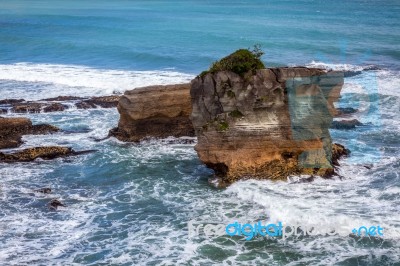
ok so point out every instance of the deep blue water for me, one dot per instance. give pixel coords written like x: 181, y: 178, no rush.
x: 130, y: 203
x: 189, y: 35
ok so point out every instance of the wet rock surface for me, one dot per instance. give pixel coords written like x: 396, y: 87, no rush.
x: 45, y: 153
x: 55, y: 203
x: 45, y: 190
x: 346, y: 124
x: 57, y: 104
x: 12, y: 130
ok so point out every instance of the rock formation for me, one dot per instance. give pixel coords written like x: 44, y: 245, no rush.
x: 269, y: 123
x: 45, y: 153
x: 154, y: 112
x: 57, y: 104
x: 12, y: 129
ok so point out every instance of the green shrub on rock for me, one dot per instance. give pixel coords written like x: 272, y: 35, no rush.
x: 240, y: 62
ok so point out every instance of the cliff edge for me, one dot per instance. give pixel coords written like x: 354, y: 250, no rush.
x: 154, y: 112
x: 268, y: 123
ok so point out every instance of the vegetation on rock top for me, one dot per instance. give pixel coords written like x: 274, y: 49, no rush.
x: 240, y: 62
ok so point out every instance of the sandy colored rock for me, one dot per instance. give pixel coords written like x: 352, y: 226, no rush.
x: 267, y: 125
x: 154, y: 112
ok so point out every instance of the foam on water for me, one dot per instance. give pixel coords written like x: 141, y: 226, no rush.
x: 369, y: 78
x: 38, y: 81
x: 131, y: 202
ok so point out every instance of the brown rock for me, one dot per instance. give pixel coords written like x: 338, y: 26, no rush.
x: 269, y: 125
x: 45, y: 153
x: 154, y: 112
x: 12, y: 129
x: 27, y: 107
x: 338, y: 151
x: 103, y: 101
x: 11, y: 101
x: 85, y: 105
x: 55, y: 107
x: 63, y: 99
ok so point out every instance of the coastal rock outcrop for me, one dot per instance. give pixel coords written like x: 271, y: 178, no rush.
x: 268, y: 123
x: 45, y: 153
x: 154, y: 112
x: 57, y: 104
x: 12, y: 129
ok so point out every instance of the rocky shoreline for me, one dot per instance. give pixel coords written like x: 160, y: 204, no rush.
x: 12, y: 130
x: 268, y: 123
x: 57, y: 104
x: 246, y: 126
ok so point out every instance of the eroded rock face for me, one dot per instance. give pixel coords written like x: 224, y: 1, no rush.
x: 270, y: 124
x: 154, y: 112
x: 12, y: 130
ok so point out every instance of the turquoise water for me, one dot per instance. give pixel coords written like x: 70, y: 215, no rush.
x: 131, y: 203
x: 188, y: 35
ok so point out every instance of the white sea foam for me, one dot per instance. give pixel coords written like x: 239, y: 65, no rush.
x: 137, y: 216
x: 370, y: 80
x: 53, y: 80
x: 338, y: 67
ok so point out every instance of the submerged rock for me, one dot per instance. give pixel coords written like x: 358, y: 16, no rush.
x: 154, y: 112
x: 27, y: 107
x: 11, y: 101
x: 45, y: 153
x: 103, y: 101
x: 12, y: 130
x: 266, y: 124
x: 346, y: 124
x: 45, y: 190
x: 55, y: 105
x: 346, y: 111
x: 63, y: 99
x: 55, y: 203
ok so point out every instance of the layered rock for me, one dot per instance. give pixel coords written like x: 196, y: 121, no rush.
x: 12, y: 130
x: 154, y: 112
x: 269, y: 123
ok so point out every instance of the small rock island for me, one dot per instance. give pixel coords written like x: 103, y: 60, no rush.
x: 250, y: 121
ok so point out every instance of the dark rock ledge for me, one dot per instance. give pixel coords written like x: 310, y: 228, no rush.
x: 45, y: 153
x: 11, y: 132
x: 57, y: 104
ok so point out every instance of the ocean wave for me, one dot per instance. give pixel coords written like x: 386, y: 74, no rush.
x: 36, y: 81
x: 365, y: 79
x: 348, y: 68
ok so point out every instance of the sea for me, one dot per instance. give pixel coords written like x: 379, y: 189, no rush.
x: 130, y: 204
